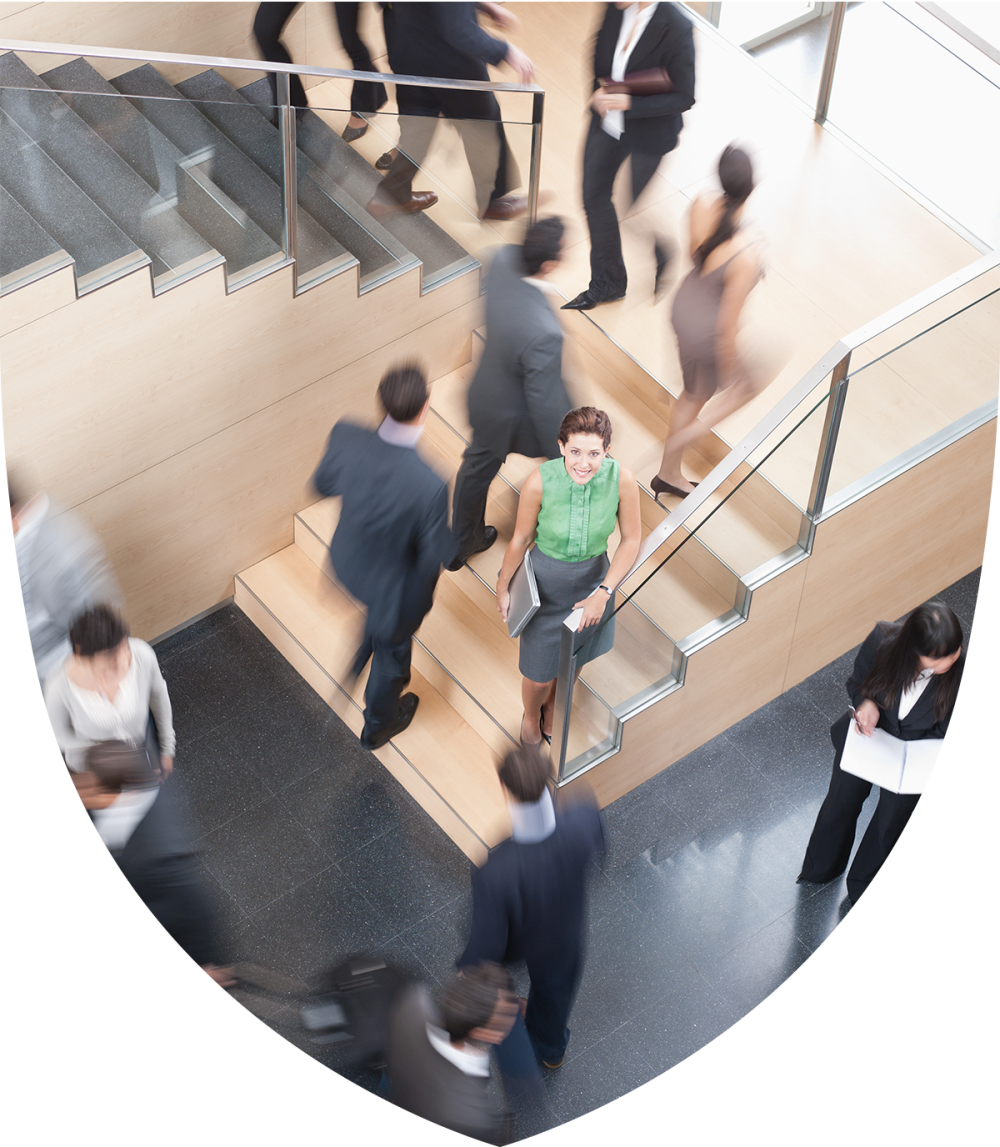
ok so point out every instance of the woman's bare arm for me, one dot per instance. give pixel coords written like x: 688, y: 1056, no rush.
x: 525, y: 528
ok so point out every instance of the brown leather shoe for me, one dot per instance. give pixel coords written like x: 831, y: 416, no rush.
x: 419, y: 201
x: 507, y: 207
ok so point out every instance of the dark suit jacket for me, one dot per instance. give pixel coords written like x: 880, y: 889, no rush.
x: 517, y: 398
x: 393, y: 531
x: 159, y: 861
x: 426, y: 1083
x: 441, y: 40
x: 653, y: 123
x: 528, y: 900
x: 919, y: 723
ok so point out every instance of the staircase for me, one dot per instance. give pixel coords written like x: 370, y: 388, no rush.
x: 465, y: 665
x: 183, y: 179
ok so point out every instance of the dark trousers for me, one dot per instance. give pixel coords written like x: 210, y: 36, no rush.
x: 389, y: 674
x: 267, y: 28
x: 493, y: 168
x: 553, y: 989
x: 176, y: 897
x: 526, y: 1096
x: 472, y: 488
x: 603, y: 155
x: 366, y: 95
x: 832, y: 838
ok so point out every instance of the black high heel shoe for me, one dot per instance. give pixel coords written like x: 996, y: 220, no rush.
x: 541, y: 728
x: 658, y: 486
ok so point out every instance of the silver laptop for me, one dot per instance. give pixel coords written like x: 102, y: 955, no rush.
x: 524, y: 599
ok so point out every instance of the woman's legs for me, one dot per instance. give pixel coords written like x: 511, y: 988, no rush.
x: 535, y: 694
x: 684, y: 429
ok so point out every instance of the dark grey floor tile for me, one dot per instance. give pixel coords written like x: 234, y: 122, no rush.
x: 680, y: 1024
x: 962, y: 598
x: 183, y: 642
x: 440, y: 938
x: 261, y: 854
x: 827, y: 689
x: 818, y: 912
x: 771, y: 855
x: 640, y: 820
x: 347, y: 804
x: 319, y: 923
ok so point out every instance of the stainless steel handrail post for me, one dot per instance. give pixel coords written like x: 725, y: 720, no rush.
x: 829, y: 62
x: 537, y: 108
x: 564, y: 692
x: 831, y: 431
x: 289, y: 180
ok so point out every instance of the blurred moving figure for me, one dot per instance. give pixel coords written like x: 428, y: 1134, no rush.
x: 138, y: 823
x: 706, y: 314
x: 633, y: 38
x: 439, y: 1065
x: 528, y: 899
x: 390, y: 542
x: 63, y: 570
x: 445, y: 41
x: 517, y: 398
x: 366, y: 95
x: 106, y: 690
x: 905, y: 681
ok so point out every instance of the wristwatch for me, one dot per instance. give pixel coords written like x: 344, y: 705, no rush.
x: 607, y: 589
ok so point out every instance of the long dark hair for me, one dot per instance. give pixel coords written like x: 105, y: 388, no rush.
x: 931, y: 630
x: 736, y: 177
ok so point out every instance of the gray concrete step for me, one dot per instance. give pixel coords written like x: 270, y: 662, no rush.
x: 380, y: 254
x: 161, y: 164
x: 210, y: 153
x: 27, y: 251
x: 100, y: 250
x: 175, y: 249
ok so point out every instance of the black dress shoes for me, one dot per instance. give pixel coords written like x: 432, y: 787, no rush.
x: 489, y: 537
x: 658, y: 486
x: 350, y: 134
x: 585, y: 301
x: 375, y: 738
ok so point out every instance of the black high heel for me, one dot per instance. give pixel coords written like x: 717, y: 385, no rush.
x: 658, y: 486
x: 541, y: 728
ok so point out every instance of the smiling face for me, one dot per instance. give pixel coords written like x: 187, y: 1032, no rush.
x: 583, y: 454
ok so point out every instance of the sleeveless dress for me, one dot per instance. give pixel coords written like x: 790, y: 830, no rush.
x: 695, y: 317
x: 570, y: 561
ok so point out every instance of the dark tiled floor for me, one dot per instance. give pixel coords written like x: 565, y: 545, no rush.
x: 311, y: 851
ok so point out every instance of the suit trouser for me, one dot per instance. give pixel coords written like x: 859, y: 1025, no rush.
x: 366, y: 95
x: 553, y: 989
x: 526, y: 1095
x: 477, y: 121
x: 603, y: 155
x: 472, y: 489
x: 176, y: 897
x: 389, y: 674
x: 267, y: 28
x: 832, y: 838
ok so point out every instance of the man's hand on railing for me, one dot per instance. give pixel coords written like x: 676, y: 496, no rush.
x: 521, y: 64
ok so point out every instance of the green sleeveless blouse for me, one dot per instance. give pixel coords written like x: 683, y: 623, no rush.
x: 575, y: 522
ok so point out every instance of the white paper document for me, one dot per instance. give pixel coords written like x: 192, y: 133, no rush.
x: 899, y: 766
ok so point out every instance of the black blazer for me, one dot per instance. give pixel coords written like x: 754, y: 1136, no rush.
x: 393, y: 533
x: 653, y: 123
x: 160, y: 863
x: 517, y: 398
x: 441, y: 40
x: 528, y: 899
x: 919, y: 723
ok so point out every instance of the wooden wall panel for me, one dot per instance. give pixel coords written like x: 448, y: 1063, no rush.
x: 892, y: 550
x: 128, y: 380
x: 177, y: 532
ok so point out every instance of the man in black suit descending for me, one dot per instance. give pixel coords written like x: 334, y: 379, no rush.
x: 390, y: 541
x: 517, y: 398
x: 528, y: 899
x: 632, y: 38
x: 445, y: 41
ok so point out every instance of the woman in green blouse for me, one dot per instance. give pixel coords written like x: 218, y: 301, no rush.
x: 569, y: 507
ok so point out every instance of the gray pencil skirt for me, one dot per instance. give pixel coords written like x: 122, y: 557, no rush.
x: 560, y: 586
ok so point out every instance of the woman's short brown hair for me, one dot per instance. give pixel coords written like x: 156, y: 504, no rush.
x: 586, y: 420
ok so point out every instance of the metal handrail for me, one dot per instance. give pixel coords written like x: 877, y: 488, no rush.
x: 260, y: 66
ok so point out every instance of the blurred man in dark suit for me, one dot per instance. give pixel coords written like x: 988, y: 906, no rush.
x: 438, y: 1057
x: 390, y: 542
x: 528, y: 899
x: 517, y: 398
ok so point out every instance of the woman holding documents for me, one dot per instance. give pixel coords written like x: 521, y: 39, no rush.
x: 902, y: 690
x: 569, y: 508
